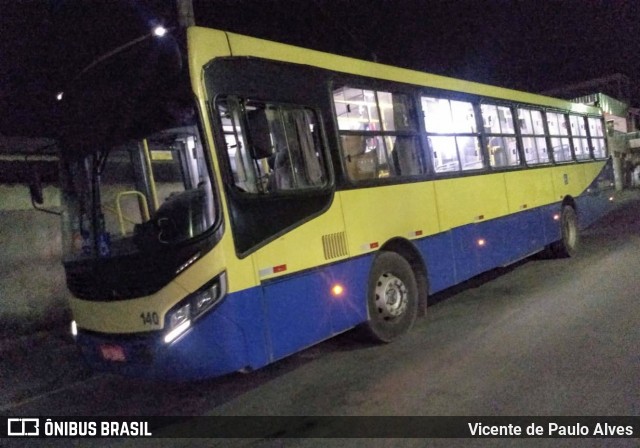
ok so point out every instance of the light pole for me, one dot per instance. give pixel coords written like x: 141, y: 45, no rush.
x: 158, y: 31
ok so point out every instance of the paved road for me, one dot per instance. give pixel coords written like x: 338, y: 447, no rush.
x: 544, y: 337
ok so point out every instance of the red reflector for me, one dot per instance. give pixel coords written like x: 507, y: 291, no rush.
x: 373, y: 245
x: 281, y: 268
x: 418, y: 232
x: 112, y: 352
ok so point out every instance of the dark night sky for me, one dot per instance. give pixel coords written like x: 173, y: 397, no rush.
x: 528, y: 45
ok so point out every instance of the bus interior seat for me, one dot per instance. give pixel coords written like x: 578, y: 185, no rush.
x: 404, y: 158
x: 359, y: 164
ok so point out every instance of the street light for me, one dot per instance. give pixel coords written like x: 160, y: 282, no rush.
x: 158, y: 31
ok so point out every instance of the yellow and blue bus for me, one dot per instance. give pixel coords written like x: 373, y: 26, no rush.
x: 230, y: 201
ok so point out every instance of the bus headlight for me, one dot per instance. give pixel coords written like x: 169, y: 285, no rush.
x: 181, y: 316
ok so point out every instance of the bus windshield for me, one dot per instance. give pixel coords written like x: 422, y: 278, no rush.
x: 136, y: 184
x: 136, y: 200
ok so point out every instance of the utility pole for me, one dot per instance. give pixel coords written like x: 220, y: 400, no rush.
x: 186, y: 17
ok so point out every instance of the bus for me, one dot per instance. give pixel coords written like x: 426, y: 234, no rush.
x: 230, y: 201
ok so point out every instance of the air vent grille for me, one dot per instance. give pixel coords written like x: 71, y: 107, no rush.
x: 335, y: 245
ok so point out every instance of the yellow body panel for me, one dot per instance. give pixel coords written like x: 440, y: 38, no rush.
x: 375, y: 215
x: 204, y: 46
x: 123, y: 316
x: 250, y: 46
x: 528, y: 189
x: 591, y: 171
x: 569, y: 180
x: 470, y: 199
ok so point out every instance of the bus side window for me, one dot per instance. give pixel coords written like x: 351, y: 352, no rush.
x: 501, y: 135
x: 452, y: 134
x: 379, y: 134
x: 557, y: 123
x: 284, y: 147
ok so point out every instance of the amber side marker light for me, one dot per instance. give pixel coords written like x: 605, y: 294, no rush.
x: 337, y: 290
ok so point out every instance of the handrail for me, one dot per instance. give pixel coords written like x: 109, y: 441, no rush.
x: 145, y: 207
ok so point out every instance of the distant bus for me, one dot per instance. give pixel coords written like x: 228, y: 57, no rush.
x: 230, y: 201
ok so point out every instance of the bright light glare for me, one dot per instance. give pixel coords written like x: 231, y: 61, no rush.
x: 556, y: 217
x: 173, y: 334
x: 159, y: 31
x: 337, y: 290
x: 611, y: 198
x: 481, y: 242
x: 59, y: 96
x: 74, y: 328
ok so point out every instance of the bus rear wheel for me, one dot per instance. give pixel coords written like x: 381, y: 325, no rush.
x: 567, y: 246
x: 392, y: 301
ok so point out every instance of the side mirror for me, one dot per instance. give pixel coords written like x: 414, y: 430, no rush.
x: 35, y: 186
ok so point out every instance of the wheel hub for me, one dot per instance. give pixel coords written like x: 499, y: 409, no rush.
x: 391, y: 296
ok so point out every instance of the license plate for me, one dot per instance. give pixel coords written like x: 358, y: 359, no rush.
x: 111, y: 352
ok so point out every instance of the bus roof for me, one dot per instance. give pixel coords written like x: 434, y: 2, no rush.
x: 205, y: 44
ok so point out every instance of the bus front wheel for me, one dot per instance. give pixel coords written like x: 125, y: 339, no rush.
x: 392, y: 302
x: 567, y: 246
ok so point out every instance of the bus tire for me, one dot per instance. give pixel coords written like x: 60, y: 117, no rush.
x: 568, y: 244
x: 392, y: 302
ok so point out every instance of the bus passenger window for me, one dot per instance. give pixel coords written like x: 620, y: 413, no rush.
x: 501, y: 139
x: 445, y: 154
x: 579, y: 137
x: 378, y: 133
x: 405, y: 155
x: 597, y: 138
x: 272, y: 148
x: 452, y: 134
x: 533, y: 136
x: 558, y: 130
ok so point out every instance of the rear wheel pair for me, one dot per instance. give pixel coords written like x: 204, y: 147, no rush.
x: 568, y: 245
x: 392, y: 301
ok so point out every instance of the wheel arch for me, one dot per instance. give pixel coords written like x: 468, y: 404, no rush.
x: 410, y: 252
x: 570, y: 201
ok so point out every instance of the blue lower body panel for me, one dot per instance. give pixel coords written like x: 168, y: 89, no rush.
x: 596, y: 200
x: 464, y: 252
x: 248, y: 330
x: 229, y: 338
x: 592, y: 206
x: 301, y: 310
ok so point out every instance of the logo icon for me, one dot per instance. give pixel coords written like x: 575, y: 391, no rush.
x: 23, y: 427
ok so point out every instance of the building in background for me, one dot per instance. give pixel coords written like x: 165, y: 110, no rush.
x: 615, y: 95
